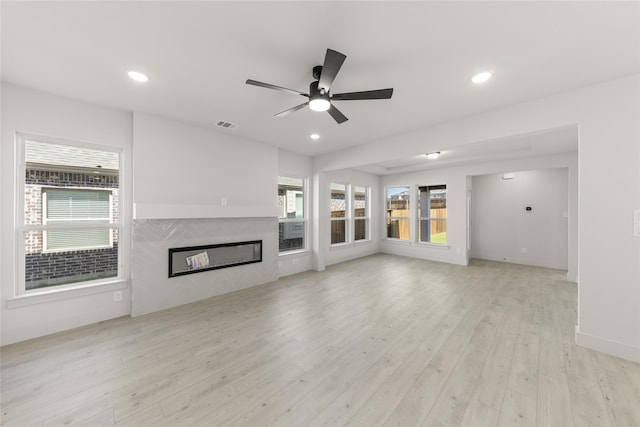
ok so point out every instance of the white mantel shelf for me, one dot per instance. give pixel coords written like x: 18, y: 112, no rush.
x: 171, y: 211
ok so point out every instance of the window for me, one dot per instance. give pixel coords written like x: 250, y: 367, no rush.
x: 70, y: 218
x: 292, y: 220
x: 398, y: 213
x: 432, y: 214
x: 62, y: 206
x: 360, y: 213
x: 338, y: 206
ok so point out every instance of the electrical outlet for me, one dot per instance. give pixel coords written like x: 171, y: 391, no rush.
x: 223, y: 201
x: 117, y: 296
x: 524, y: 250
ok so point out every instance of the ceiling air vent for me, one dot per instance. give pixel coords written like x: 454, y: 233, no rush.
x: 226, y: 125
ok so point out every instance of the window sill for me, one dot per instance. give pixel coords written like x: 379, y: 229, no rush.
x: 340, y: 245
x: 397, y: 241
x: 433, y: 246
x: 293, y: 253
x: 48, y: 295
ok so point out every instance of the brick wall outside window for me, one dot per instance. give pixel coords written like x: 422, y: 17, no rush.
x: 48, y: 269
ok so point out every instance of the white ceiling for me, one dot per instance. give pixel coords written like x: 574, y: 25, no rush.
x: 546, y: 143
x: 199, y: 54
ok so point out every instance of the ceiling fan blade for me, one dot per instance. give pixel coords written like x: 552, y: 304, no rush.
x: 270, y: 86
x: 367, y: 94
x: 332, y: 63
x: 337, y: 115
x: 292, y: 109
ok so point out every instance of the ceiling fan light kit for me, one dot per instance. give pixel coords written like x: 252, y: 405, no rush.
x: 320, y: 97
x: 319, y: 104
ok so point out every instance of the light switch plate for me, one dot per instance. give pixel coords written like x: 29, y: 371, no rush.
x: 636, y: 223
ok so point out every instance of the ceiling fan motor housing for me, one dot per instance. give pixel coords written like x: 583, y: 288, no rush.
x: 315, y: 92
x: 317, y: 70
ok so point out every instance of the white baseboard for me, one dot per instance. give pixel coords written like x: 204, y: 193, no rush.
x: 520, y: 260
x: 603, y: 345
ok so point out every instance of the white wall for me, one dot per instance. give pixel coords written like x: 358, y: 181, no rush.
x: 609, y: 158
x: 455, y: 249
x: 192, y: 187
x: 181, y: 171
x: 457, y: 180
x: 609, y: 264
x: 502, y: 228
x: 185, y: 171
x: 34, y: 112
x: 299, y: 166
x: 327, y: 254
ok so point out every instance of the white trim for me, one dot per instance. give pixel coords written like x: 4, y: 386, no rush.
x: 24, y: 136
x: 293, y: 252
x: 22, y: 296
x: 304, y: 219
x: 166, y: 211
x: 397, y: 241
x: 340, y: 245
x: 347, y: 214
x: 429, y: 245
x: 347, y: 240
x: 419, y: 218
x: 56, y: 293
x: 625, y: 351
x: 19, y: 216
x: 71, y: 226
x: 386, y: 218
x: 367, y: 211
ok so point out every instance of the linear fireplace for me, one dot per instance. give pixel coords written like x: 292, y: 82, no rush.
x: 196, y: 259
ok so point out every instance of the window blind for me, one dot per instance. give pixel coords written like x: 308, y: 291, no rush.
x: 69, y: 205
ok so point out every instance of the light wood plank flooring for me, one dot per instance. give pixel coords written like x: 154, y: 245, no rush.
x: 382, y: 340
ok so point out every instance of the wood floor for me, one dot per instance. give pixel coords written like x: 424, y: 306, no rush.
x: 382, y: 340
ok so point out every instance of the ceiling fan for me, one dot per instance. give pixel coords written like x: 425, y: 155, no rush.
x: 320, y: 96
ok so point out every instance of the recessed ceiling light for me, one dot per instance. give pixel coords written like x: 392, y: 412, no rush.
x: 138, y: 76
x: 314, y: 136
x: 433, y: 156
x: 481, y: 77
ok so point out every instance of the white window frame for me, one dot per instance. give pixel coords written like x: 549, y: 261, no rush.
x: 420, y: 218
x: 347, y: 214
x: 304, y: 219
x: 407, y: 218
x: 26, y: 297
x: 366, y: 217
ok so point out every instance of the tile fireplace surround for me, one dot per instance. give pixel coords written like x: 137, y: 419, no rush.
x: 152, y: 290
